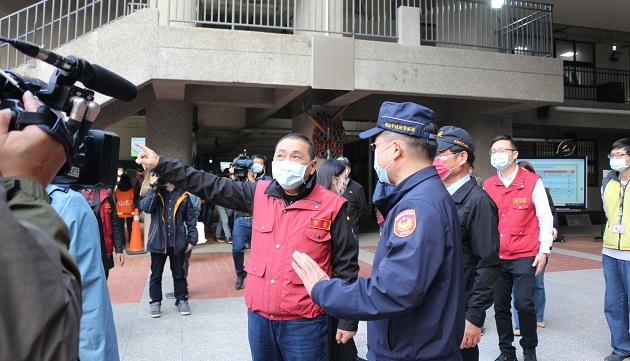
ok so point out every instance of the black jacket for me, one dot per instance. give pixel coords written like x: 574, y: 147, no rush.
x: 479, y: 220
x: 185, y: 222
x: 240, y: 197
x: 355, y: 194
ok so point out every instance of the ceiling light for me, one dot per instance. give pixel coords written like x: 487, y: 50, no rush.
x: 592, y: 110
x: 568, y: 54
x: 497, y: 4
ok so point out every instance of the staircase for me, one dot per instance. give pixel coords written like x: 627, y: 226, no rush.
x: 53, y: 23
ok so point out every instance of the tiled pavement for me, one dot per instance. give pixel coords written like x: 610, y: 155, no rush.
x: 217, y: 328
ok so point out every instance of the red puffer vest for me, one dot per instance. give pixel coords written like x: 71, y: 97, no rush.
x: 273, y: 288
x: 518, y: 225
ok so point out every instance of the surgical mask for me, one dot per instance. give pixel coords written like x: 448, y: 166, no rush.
x: 500, y: 161
x: 289, y: 175
x: 618, y: 164
x: 257, y: 168
x: 440, y: 165
x: 382, y: 173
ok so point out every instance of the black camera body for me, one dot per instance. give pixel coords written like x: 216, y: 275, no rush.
x: 241, y: 164
x: 160, y: 183
x: 92, y: 155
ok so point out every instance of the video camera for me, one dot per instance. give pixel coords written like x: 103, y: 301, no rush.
x: 241, y: 164
x: 91, y: 155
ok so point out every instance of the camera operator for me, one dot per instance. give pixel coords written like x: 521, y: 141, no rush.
x: 40, y: 291
x: 242, y: 231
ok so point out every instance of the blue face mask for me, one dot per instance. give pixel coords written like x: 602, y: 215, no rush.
x: 382, y: 173
x: 257, y: 168
x: 500, y: 161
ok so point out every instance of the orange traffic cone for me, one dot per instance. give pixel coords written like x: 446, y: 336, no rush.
x: 136, y: 246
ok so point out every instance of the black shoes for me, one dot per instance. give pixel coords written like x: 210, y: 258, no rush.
x: 529, y: 355
x: 614, y: 357
x: 506, y: 357
x: 239, y: 282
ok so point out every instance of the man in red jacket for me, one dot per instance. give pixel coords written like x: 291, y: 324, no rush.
x: 525, y: 233
x: 289, y: 213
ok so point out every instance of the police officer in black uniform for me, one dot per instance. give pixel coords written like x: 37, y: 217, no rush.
x: 480, y: 235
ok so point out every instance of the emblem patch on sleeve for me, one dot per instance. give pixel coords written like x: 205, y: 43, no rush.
x: 405, y: 223
x: 320, y: 223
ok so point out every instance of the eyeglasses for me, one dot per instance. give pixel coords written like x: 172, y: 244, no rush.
x: 617, y: 156
x: 343, y: 182
x: 446, y: 155
x: 373, y: 145
x: 502, y: 151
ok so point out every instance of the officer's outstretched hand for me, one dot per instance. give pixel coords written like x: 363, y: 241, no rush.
x: 308, y: 270
x: 30, y: 152
x: 147, y: 158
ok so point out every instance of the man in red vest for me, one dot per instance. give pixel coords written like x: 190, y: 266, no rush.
x: 290, y: 212
x: 525, y: 233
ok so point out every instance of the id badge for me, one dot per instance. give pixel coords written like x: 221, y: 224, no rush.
x: 619, y: 228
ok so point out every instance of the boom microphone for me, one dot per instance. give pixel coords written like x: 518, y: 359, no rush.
x: 92, y: 76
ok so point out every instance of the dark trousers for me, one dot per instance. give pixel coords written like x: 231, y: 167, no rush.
x: 241, y: 234
x: 187, y: 263
x: 129, y: 222
x: 158, y: 260
x: 470, y: 354
x: 517, y: 273
x: 206, y: 214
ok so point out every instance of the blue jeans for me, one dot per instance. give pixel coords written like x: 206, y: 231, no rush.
x: 540, y: 300
x: 222, y: 223
x: 303, y: 339
x: 241, y: 234
x: 617, y: 277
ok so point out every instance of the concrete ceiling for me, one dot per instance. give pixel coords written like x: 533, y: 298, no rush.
x: 598, y: 14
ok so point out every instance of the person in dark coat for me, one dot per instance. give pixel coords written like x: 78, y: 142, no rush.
x: 479, y: 225
x: 414, y: 299
x: 355, y: 194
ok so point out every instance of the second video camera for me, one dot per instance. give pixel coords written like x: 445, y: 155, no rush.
x: 241, y: 164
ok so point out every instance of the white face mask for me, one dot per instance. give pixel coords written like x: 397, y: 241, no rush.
x: 618, y: 164
x: 289, y: 175
x: 500, y: 161
x: 380, y: 172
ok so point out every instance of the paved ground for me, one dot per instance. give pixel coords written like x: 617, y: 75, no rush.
x: 217, y: 329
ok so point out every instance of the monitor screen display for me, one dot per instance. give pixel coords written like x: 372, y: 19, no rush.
x: 565, y: 178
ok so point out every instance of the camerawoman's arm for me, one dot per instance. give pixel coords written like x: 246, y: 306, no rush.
x: 34, y: 240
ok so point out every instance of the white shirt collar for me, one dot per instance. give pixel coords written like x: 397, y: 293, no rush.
x: 507, y: 181
x: 457, y: 185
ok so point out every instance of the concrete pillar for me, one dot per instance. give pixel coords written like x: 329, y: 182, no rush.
x: 483, y: 128
x: 178, y: 10
x: 408, y: 25
x: 169, y: 129
x: 322, y: 16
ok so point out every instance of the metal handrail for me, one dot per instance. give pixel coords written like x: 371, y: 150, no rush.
x: 54, y: 23
x: 519, y: 27
x: 581, y: 81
